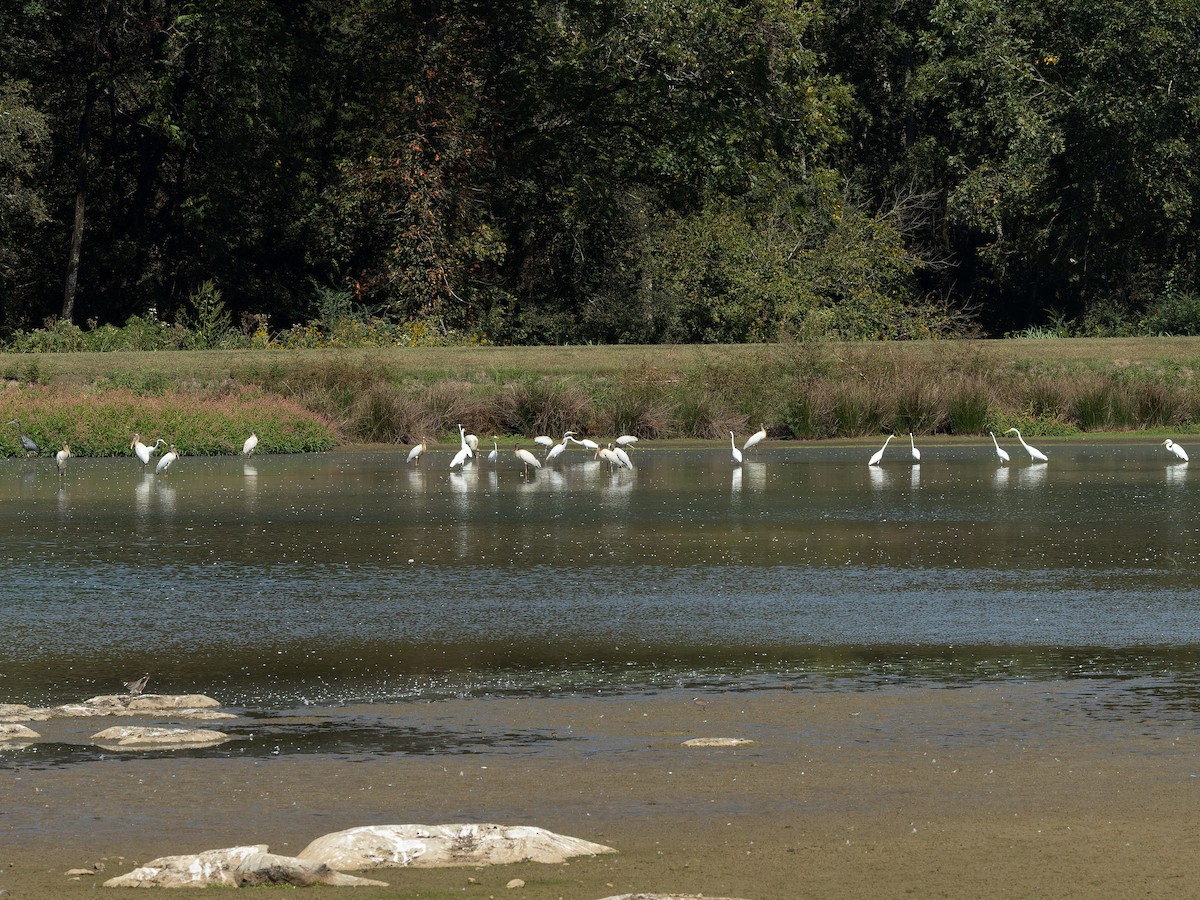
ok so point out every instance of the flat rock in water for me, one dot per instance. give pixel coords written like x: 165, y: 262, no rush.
x: 428, y: 846
x: 717, y: 742
x: 133, y: 737
x: 18, y: 712
x: 17, y: 733
x: 236, y: 867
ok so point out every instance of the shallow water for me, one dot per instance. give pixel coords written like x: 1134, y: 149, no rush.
x: 291, y: 584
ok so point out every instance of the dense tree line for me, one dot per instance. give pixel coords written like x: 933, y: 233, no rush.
x: 607, y: 170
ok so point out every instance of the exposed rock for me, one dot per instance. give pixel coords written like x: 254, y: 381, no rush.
x: 717, y: 742
x: 18, y: 712
x: 75, y: 873
x: 13, y: 734
x: 133, y: 737
x: 153, y: 702
x: 427, y: 846
x: 236, y: 867
x: 515, y: 883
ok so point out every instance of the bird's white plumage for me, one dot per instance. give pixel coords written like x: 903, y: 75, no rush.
x: 495, y: 453
x: 626, y: 439
x: 1000, y: 451
x: 415, y: 453
x: 249, y: 444
x: 141, y: 450
x: 757, y: 438
x: 1034, y: 452
x: 737, y: 454
x: 167, y: 459
x: 874, y: 460
x: 916, y: 454
x: 544, y: 440
x: 61, y: 458
x: 1179, y: 452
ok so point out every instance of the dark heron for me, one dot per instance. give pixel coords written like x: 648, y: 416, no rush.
x: 26, y: 441
x: 136, y: 687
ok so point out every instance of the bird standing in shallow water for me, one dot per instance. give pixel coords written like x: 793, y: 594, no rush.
x: 756, y: 438
x: 165, y: 463
x: 1034, y: 452
x: 736, y: 453
x: 527, y: 458
x: 916, y: 454
x: 61, y: 458
x: 874, y: 460
x: 414, y: 455
x: 250, y: 444
x: 1179, y: 452
x: 1000, y: 452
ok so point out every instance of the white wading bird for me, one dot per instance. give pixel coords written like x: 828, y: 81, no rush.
x: 737, y: 454
x: 1000, y: 451
x: 527, y: 458
x: 757, y: 438
x: 1179, y: 452
x: 1034, y: 452
x: 915, y: 452
x: 874, y: 460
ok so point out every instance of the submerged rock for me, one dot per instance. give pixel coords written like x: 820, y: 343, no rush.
x: 427, y: 846
x: 134, y: 737
x: 236, y: 867
x: 717, y: 742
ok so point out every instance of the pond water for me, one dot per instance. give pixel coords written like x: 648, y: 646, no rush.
x: 345, y: 578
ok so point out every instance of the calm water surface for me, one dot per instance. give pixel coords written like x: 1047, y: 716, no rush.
x: 349, y: 578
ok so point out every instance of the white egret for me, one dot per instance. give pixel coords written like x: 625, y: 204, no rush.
x: 414, y: 455
x: 463, y: 442
x: 737, y: 454
x: 1000, y: 451
x: 874, y: 460
x: 1179, y: 452
x: 586, y: 442
x: 138, y: 685
x: 622, y: 456
x: 558, y: 449
x: 915, y: 452
x: 495, y: 454
x: 61, y: 458
x: 167, y: 458
x: 463, y: 454
x: 626, y: 440
x: 527, y: 458
x: 1034, y: 452
x: 756, y: 438
x: 249, y: 444
x: 26, y: 441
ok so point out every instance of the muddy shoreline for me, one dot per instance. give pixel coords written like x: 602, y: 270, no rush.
x: 1019, y: 789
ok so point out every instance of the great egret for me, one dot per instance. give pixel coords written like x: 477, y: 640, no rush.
x: 915, y: 452
x: 463, y: 454
x: 1179, y: 452
x: 586, y: 442
x: 737, y: 454
x: 558, y: 449
x: 874, y: 460
x: 527, y: 458
x: 1034, y: 452
x: 495, y: 454
x: 756, y: 438
x: 1000, y: 451
x: 61, y: 458
x: 626, y: 440
x: 463, y: 442
x: 167, y: 458
x: 249, y: 444
x: 136, y: 686
x: 414, y: 455
x: 26, y: 441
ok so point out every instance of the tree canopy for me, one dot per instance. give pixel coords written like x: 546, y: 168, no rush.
x: 603, y: 170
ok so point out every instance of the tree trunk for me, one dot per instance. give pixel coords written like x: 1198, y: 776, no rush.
x: 85, y: 121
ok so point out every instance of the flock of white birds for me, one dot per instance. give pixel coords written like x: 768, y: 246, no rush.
x: 615, y: 454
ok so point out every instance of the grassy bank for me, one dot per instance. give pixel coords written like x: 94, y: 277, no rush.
x: 208, y: 401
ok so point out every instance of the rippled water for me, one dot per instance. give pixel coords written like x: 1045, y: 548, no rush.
x: 344, y: 578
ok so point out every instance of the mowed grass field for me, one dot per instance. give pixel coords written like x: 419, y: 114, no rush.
x: 805, y: 391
